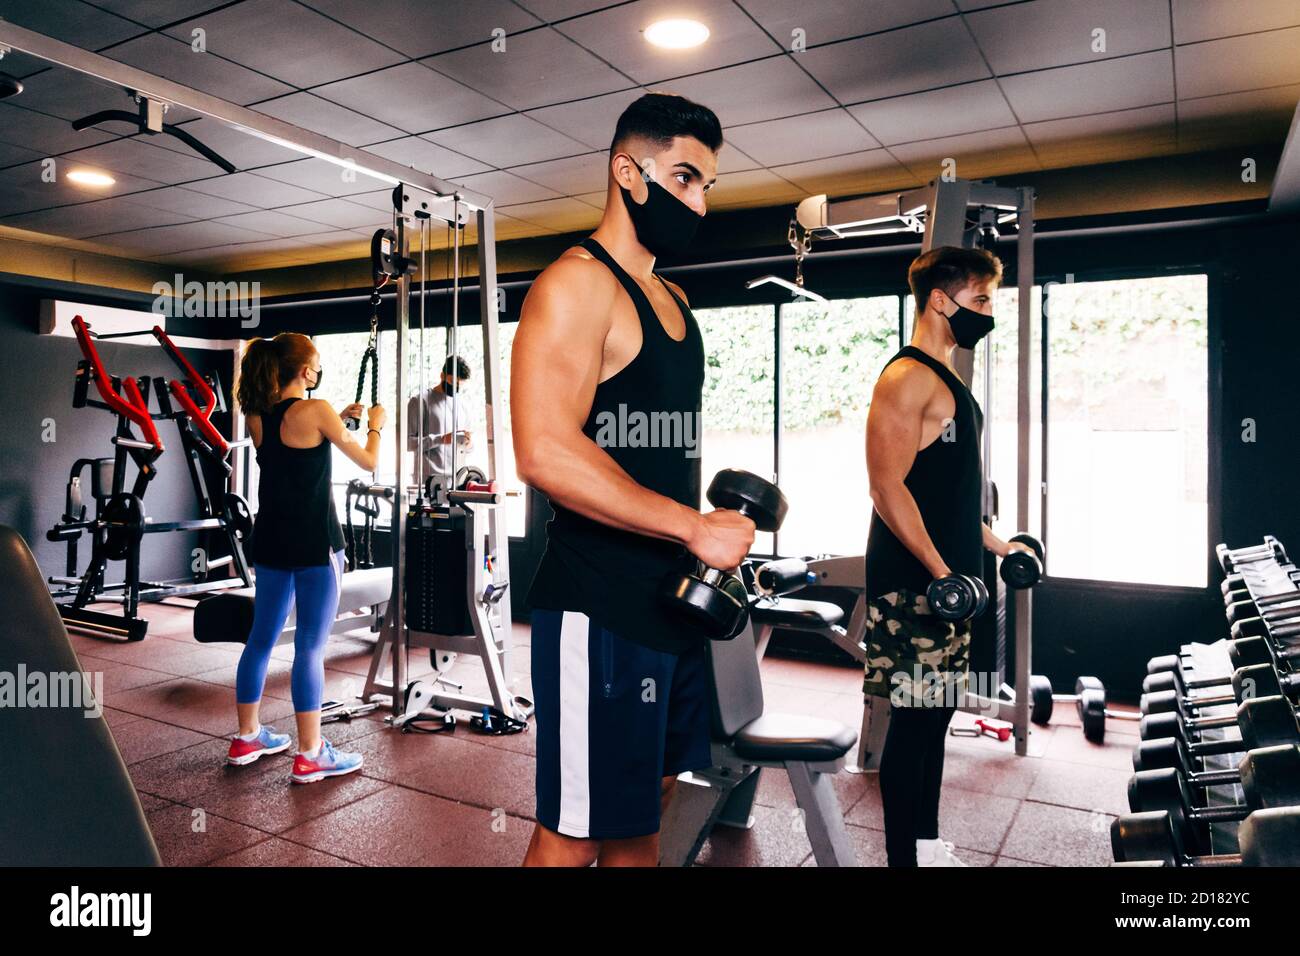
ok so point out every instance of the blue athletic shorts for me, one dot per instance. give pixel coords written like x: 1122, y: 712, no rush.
x: 613, y: 718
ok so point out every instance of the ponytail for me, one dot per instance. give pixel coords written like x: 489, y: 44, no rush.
x: 268, y: 365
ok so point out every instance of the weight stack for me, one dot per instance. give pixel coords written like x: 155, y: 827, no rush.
x: 437, y: 569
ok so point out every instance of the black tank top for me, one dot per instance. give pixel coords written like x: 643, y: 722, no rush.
x: 644, y: 417
x: 296, y: 524
x: 946, y: 482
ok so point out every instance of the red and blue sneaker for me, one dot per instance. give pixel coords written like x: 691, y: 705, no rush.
x: 328, y: 762
x: 265, y: 741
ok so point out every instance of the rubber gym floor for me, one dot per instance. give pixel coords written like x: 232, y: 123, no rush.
x: 467, y: 799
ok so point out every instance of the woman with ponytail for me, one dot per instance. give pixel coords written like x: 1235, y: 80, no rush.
x: 297, y: 547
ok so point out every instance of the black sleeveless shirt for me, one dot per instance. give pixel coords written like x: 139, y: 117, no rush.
x: 647, y: 418
x: 296, y: 524
x: 946, y: 482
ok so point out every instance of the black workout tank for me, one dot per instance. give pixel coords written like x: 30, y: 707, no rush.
x: 642, y: 417
x: 296, y: 524
x: 946, y: 482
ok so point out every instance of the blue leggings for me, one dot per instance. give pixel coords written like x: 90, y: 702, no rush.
x: 315, y: 593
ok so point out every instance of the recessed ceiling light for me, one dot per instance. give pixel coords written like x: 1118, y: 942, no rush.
x: 677, y: 34
x: 86, y: 177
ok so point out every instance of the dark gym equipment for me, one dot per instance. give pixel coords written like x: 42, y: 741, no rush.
x: 1270, y: 777
x: 957, y: 597
x: 1089, y: 699
x: 65, y: 796
x: 1244, y: 652
x: 1263, y: 722
x: 1233, y: 560
x: 1266, y: 838
x: 1021, y: 569
x: 715, y: 599
x: 1260, y: 680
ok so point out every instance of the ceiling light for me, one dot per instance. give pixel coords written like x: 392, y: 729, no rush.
x: 86, y: 177
x: 677, y: 34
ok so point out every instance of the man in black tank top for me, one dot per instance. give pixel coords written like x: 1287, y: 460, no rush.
x: 608, y: 367
x: 924, y: 465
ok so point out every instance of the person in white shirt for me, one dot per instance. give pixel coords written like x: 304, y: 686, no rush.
x: 435, y: 408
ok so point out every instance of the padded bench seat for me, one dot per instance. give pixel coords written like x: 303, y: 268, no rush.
x: 782, y: 737
x: 228, y: 615
x: 794, y: 614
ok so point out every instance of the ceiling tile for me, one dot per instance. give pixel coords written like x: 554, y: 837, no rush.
x: 1141, y: 80
x: 574, y: 174
x: 552, y: 10
x: 93, y: 218
x: 11, y: 155
x: 901, y: 61
x: 165, y: 240
x: 255, y: 190
x: 867, y: 172
x: 427, y: 157
x: 987, y: 153
x: 329, y: 119
x: 732, y: 159
x: 411, y: 27
x: 505, y: 188
x: 596, y: 199
x: 1239, y: 63
x: 274, y: 223
x: 322, y: 176
x: 71, y: 21
x: 752, y: 92
x: 508, y: 141
x: 1104, y: 137
x: 1207, y: 19
x: 563, y: 215
x: 739, y: 189
x: 826, y: 20
x: 967, y: 108
x: 28, y: 178
x: 288, y: 41
x: 1257, y: 116
x: 799, y: 138
x: 1047, y: 33
x: 142, y: 158
x: 412, y: 98
x: 176, y: 60
x: 616, y: 36
x: 589, y: 121
x: 534, y: 69
x: 338, y: 213
x: 158, y: 13
x: 44, y: 134
x: 187, y: 202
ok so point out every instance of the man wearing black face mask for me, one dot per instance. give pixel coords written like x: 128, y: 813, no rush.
x: 620, y: 683
x: 924, y: 465
x: 445, y: 420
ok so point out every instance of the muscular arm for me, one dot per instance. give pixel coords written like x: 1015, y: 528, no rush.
x: 555, y: 369
x: 893, y: 436
x: 995, y: 544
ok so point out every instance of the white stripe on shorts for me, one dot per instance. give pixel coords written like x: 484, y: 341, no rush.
x: 575, y: 752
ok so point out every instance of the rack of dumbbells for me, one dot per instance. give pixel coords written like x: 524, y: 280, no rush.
x: 1217, y: 768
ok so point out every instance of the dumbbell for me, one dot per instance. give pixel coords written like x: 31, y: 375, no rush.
x: 715, y: 599
x: 774, y: 578
x: 1277, y: 628
x: 1260, y: 680
x: 1020, y: 569
x: 1232, y: 560
x: 1265, y: 838
x: 1267, y: 722
x: 1089, y: 699
x: 1238, y: 583
x: 957, y: 597
x: 1270, y: 778
x: 1272, y: 607
x: 1242, y: 652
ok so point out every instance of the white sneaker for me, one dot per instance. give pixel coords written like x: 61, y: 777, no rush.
x: 935, y: 853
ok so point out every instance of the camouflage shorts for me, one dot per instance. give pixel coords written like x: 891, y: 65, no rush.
x: 912, y: 655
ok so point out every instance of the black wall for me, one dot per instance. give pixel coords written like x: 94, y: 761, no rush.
x: 36, y: 381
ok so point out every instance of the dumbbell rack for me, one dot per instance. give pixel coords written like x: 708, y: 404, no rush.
x: 1266, y: 574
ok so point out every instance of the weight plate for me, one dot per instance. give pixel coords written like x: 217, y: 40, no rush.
x: 1092, y: 714
x: 1040, y: 699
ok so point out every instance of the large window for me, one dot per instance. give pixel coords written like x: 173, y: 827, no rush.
x: 341, y: 357
x: 831, y: 355
x: 739, y: 394
x: 1128, y: 396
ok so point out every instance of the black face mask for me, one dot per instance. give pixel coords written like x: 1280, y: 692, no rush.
x: 320, y: 373
x: 664, y: 224
x: 449, y: 388
x: 969, y: 326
